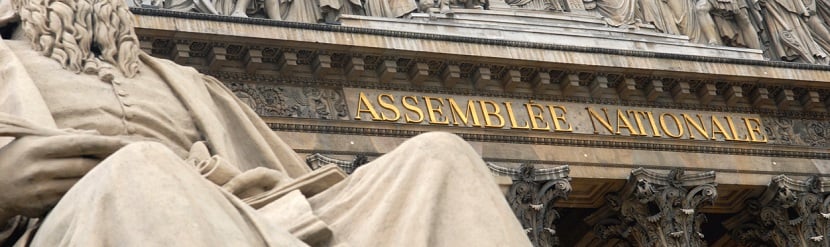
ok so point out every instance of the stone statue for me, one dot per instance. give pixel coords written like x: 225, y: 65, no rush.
x: 617, y: 13
x: 201, y: 6
x: 390, y: 8
x: 795, y: 30
x: 659, y: 14
x: 731, y: 23
x: 662, y: 14
x: 447, y: 5
x: 103, y: 144
x: 551, y: 5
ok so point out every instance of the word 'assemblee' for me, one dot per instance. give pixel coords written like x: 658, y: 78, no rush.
x: 555, y: 117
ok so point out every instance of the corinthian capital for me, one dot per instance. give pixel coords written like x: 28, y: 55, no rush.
x: 532, y: 195
x: 790, y: 212
x: 657, y: 209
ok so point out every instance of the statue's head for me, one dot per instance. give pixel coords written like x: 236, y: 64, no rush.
x: 79, y: 34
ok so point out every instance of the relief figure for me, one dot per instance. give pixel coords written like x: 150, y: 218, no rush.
x: 727, y: 22
x: 791, y: 26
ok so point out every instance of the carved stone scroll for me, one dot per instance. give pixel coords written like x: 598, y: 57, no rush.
x: 532, y: 197
x: 657, y: 209
x: 789, y: 213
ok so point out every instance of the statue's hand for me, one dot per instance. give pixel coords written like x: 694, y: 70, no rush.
x: 36, y: 171
x: 254, y: 181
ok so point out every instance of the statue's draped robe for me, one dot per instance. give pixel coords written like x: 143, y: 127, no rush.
x: 790, y: 36
x: 390, y: 8
x: 618, y: 12
x: 655, y: 12
x: 307, y: 11
x: 723, y: 13
x: 432, y: 190
x: 310, y: 11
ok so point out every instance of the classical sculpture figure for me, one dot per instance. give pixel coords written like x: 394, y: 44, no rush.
x: 795, y: 30
x: 104, y: 145
x: 728, y: 20
x: 447, y: 5
x: 665, y: 15
x: 390, y: 8
x: 309, y: 11
x: 552, y: 5
x: 618, y: 13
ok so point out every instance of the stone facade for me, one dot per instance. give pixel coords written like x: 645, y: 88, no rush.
x: 606, y: 126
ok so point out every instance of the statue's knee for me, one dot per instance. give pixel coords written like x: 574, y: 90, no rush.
x: 141, y: 147
x: 140, y: 152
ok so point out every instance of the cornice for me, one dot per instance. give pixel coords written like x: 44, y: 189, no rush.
x: 473, y: 40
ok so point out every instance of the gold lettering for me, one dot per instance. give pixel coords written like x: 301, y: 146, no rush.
x: 756, y: 128
x: 734, y: 132
x: 486, y: 113
x: 412, y: 107
x: 509, y: 107
x: 654, y: 130
x: 432, y: 110
x: 363, y: 101
x: 465, y: 118
x: 717, y: 128
x: 623, y: 118
x: 557, y: 118
x: 637, y: 120
x: 605, y: 123
x: 389, y: 106
x: 534, y: 116
x: 676, y: 123
x: 701, y: 129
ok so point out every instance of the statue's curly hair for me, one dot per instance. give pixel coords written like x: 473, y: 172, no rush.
x: 81, y: 33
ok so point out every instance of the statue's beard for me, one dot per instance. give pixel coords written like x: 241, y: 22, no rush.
x: 81, y: 33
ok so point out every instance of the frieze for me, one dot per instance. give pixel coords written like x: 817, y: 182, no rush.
x: 287, y: 101
x: 553, y: 117
x: 802, y: 132
x: 307, y: 101
x: 329, y: 83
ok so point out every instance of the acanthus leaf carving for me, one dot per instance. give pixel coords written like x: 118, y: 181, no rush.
x: 657, y: 209
x: 532, y: 197
x: 790, y: 212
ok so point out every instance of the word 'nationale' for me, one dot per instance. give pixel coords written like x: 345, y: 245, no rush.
x: 550, y: 117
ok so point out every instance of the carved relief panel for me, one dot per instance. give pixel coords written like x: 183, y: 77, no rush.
x: 290, y: 101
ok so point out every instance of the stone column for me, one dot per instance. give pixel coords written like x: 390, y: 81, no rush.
x: 656, y: 209
x: 790, y: 212
x: 532, y: 197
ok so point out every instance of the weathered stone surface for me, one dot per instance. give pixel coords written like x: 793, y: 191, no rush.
x: 790, y: 212
x: 656, y: 209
